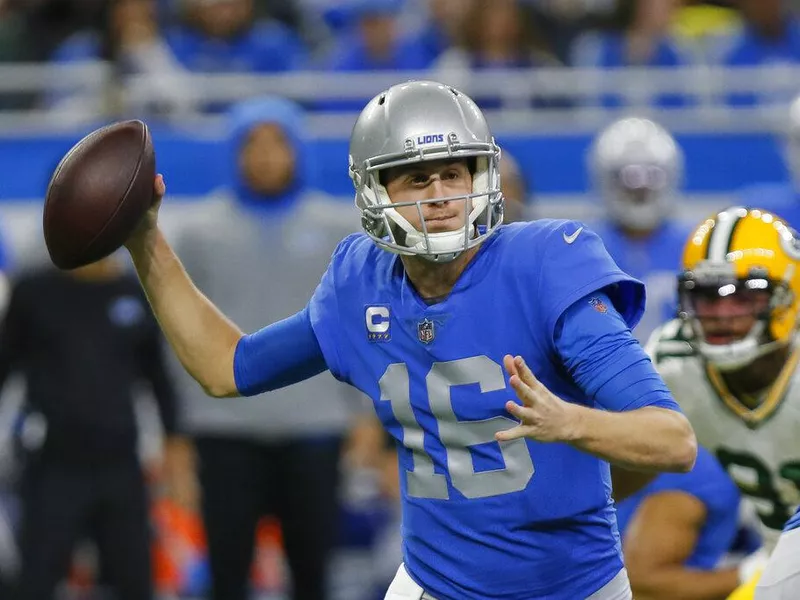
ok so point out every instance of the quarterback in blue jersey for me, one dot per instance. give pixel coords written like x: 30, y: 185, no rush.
x: 677, y: 530
x: 442, y: 316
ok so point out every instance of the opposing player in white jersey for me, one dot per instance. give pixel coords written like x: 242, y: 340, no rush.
x: 731, y: 358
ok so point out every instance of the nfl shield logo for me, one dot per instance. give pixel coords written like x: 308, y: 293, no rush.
x: 425, y: 331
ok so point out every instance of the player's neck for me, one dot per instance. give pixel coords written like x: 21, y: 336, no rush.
x: 746, y: 383
x: 434, y: 281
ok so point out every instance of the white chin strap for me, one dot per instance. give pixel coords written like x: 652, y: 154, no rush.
x: 738, y: 354
x: 441, y: 247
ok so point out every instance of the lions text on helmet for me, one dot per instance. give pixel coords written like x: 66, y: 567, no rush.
x: 739, y: 286
x: 446, y: 197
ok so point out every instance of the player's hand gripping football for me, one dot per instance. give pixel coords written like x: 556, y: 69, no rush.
x: 149, y: 224
x: 543, y: 415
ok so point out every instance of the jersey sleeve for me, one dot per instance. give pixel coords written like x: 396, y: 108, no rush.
x: 605, y: 360
x: 325, y: 314
x: 574, y: 264
x: 278, y: 355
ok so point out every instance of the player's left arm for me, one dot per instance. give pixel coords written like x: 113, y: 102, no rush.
x: 637, y: 426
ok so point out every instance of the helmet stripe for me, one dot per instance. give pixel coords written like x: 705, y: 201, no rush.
x: 722, y: 235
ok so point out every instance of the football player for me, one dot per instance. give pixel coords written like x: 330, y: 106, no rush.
x: 636, y: 168
x: 731, y: 358
x: 441, y: 315
x: 678, y: 531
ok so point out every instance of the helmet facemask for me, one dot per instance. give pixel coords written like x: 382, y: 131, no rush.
x: 637, y: 195
x: 755, y: 297
x: 390, y: 230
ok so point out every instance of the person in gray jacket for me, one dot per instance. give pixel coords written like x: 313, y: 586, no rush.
x: 256, y: 251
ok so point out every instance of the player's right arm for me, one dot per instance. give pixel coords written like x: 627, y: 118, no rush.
x: 660, y: 539
x: 214, y: 351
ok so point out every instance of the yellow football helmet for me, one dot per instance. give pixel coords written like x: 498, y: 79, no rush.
x: 739, y: 251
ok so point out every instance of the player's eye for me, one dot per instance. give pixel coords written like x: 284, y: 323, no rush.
x: 419, y: 178
x: 452, y: 174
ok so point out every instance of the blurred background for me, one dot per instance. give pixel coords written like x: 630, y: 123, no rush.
x: 637, y: 116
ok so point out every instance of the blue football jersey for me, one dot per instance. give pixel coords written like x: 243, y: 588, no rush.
x: 655, y: 261
x: 517, y: 520
x: 711, y: 485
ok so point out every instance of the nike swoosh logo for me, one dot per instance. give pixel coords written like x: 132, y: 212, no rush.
x: 573, y: 236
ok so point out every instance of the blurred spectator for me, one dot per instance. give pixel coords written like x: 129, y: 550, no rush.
x: 770, y: 35
x: 442, y: 29
x: 50, y: 22
x: 224, y: 36
x: 514, y: 188
x: 565, y: 20
x: 14, y: 46
x: 497, y: 34
x: 677, y: 531
x: 638, y: 36
x: 84, y: 341
x: 636, y: 168
x: 704, y: 27
x: 130, y: 41
x: 255, y: 251
x: 371, y: 42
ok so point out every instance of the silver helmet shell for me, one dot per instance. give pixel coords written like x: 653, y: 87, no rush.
x: 636, y: 168
x: 424, y: 121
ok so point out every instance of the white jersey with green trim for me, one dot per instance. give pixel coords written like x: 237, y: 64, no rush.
x: 759, y: 447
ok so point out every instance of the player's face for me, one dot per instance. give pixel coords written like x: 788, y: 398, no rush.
x: 267, y: 160
x: 428, y: 181
x: 726, y: 319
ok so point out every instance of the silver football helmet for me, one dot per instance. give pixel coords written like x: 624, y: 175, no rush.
x: 636, y: 168
x: 422, y: 121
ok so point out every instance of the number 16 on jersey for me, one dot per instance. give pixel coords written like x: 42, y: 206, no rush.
x: 456, y: 436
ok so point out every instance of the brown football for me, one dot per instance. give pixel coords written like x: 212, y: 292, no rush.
x: 99, y: 193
